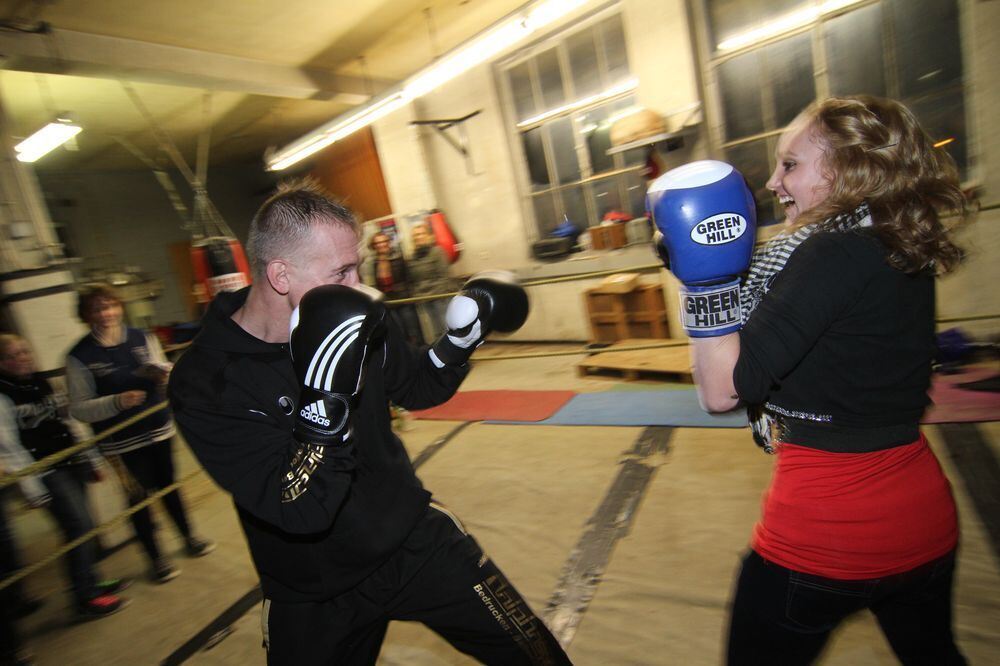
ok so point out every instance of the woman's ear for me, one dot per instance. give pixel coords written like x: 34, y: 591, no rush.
x: 277, y: 276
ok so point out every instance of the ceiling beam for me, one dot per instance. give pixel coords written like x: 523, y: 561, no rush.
x: 99, y: 56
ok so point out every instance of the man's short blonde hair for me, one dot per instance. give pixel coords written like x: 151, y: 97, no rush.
x: 283, y: 223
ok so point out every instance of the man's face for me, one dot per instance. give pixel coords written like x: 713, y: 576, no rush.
x: 420, y: 236
x: 16, y: 360
x: 329, y: 256
x: 798, y: 180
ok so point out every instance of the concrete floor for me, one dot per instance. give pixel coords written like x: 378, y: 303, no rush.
x: 528, y: 494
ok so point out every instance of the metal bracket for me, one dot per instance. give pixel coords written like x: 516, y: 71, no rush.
x: 462, y: 144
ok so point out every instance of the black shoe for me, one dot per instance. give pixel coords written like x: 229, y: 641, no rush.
x: 198, y: 547
x: 113, y: 586
x: 25, y: 606
x: 16, y: 658
x: 102, y: 606
x: 164, y: 571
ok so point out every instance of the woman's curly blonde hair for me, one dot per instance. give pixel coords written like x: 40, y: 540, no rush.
x: 875, y: 151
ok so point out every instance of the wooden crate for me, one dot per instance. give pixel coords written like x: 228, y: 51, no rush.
x: 607, y: 237
x: 647, y: 299
x: 603, y: 302
x: 647, y: 325
x: 640, y: 313
x: 609, y: 328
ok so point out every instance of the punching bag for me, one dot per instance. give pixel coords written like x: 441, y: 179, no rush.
x: 444, y: 235
x: 219, y: 265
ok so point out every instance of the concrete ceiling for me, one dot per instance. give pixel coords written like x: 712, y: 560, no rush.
x: 275, y: 68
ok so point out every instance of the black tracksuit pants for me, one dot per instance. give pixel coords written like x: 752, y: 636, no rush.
x: 440, y: 577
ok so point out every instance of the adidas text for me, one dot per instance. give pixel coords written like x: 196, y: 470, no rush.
x: 316, y: 413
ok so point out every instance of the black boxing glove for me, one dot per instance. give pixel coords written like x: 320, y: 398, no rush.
x: 489, y: 301
x: 660, y: 250
x: 331, y: 332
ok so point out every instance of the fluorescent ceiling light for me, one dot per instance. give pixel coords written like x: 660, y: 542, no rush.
x: 335, y: 130
x: 46, y: 139
x: 615, y: 90
x: 479, y: 49
x: 795, y: 19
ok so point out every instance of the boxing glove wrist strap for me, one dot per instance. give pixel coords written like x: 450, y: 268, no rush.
x: 710, y: 311
x: 322, y: 418
x: 446, y: 352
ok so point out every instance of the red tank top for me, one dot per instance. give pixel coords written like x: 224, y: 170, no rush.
x: 855, y: 516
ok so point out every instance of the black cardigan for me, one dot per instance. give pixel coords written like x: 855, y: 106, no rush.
x: 841, y: 346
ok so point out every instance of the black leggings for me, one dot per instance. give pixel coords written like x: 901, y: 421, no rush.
x: 780, y: 616
x: 152, y: 467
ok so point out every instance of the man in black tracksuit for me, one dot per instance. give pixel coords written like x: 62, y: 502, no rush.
x: 342, y: 533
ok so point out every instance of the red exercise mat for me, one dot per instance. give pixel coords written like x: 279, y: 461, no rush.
x: 953, y: 404
x: 498, y: 406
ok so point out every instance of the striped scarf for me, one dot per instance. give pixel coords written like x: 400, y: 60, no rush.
x: 765, y: 265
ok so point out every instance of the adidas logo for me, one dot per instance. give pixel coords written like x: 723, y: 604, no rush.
x: 316, y: 412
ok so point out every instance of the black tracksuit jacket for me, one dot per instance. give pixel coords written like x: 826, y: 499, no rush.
x: 233, y: 397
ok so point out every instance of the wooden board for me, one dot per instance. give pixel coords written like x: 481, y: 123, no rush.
x: 668, y: 362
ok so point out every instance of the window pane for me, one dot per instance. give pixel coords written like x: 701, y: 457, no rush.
x: 615, y: 55
x: 751, y: 160
x: 928, y: 51
x: 583, y: 62
x: 637, y: 186
x: 739, y: 82
x: 520, y: 88
x: 728, y: 18
x: 535, y: 154
x: 574, y: 207
x: 596, y: 133
x: 854, y: 53
x: 606, y: 196
x: 550, y: 79
x: 791, y: 76
x: 943, y: 116
x: 545, y: 213
x: 564, y: 149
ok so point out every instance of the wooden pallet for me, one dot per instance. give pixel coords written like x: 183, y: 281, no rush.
x: 667, y: 362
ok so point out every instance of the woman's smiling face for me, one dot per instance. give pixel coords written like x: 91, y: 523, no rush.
x: 799, y: 180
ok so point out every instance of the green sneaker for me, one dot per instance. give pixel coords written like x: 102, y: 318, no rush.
x: 113, y: 586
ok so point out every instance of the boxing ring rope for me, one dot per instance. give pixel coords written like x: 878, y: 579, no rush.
x: 583, y: 276
x: 48, y: 461
x: 103, y: 527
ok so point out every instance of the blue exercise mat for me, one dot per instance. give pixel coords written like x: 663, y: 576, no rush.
x: 639, y: 408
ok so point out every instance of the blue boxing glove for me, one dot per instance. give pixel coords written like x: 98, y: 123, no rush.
x: 706, y: 215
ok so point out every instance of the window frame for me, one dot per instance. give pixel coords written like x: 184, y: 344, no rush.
x: 527, y: 194
x: 709, y: 61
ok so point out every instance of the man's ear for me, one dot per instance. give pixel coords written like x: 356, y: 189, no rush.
x: 277, y: 276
